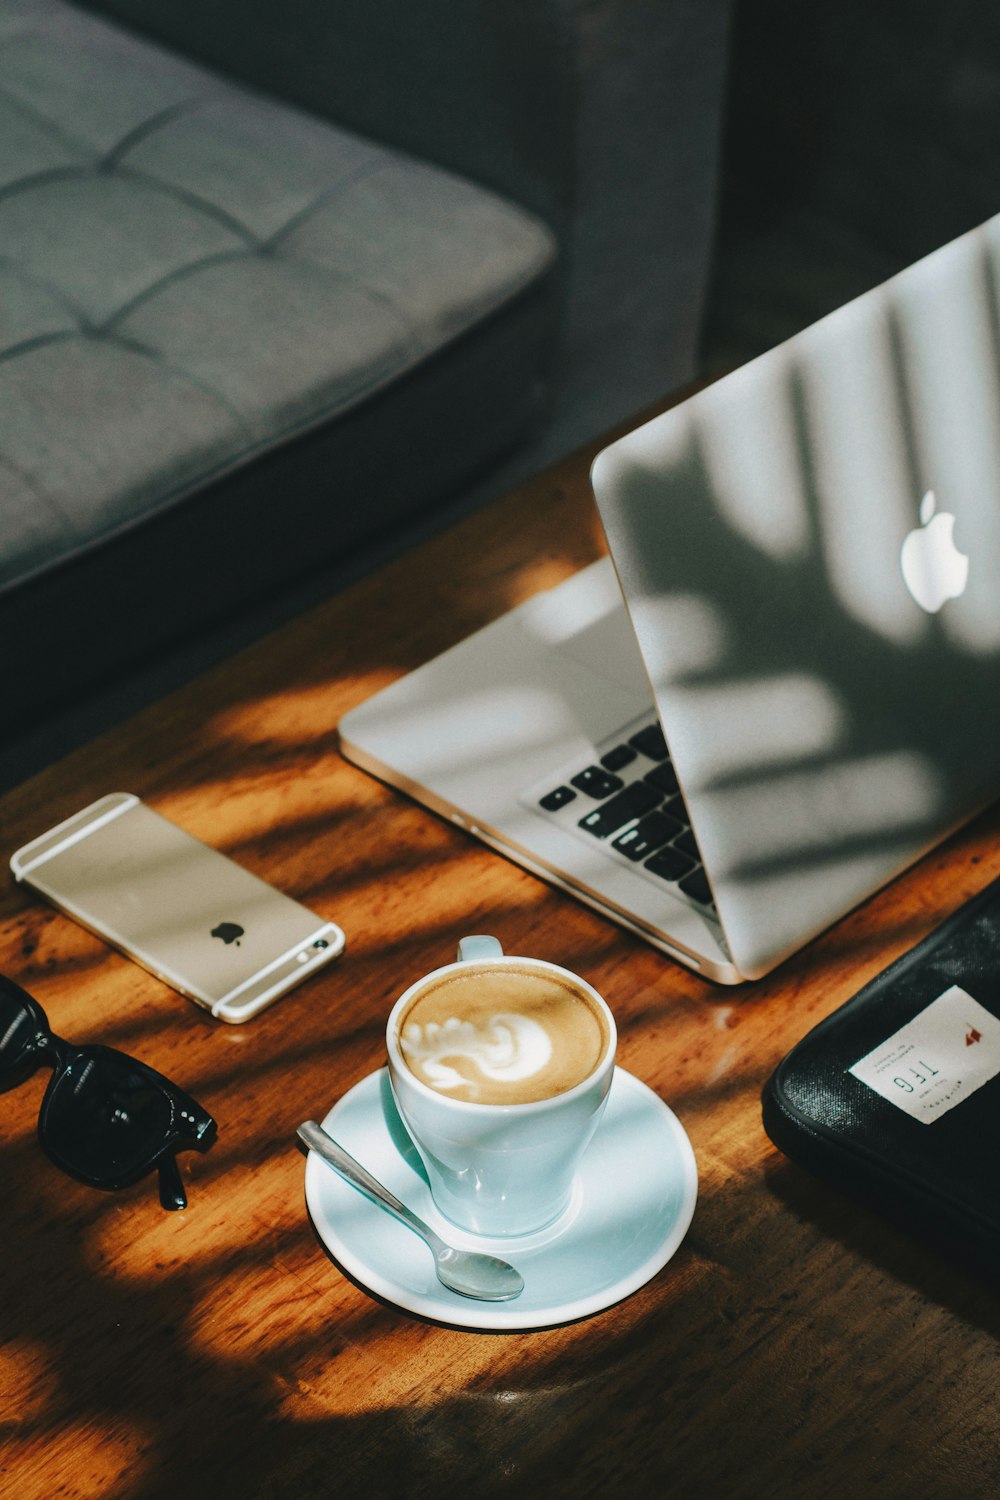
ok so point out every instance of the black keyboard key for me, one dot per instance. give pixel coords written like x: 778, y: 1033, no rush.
x: 597, y: 783
x: 648, y: 834
x: 688, y: 844
x: 677, y: 808
x: 554, y: 800
x: 696, y: 886
x: 621, y: 755
x: 628, y: 804
x: 650, y: 741
x: 664, y: 778
x: 670, y: 864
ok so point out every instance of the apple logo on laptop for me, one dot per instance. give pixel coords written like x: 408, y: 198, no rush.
x: 934, y: 570
x: 229, y: 932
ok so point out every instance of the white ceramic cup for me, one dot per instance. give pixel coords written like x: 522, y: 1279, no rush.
x: 500, y: 1169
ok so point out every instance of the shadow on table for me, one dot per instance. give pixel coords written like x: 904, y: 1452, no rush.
x: 896, y: 1243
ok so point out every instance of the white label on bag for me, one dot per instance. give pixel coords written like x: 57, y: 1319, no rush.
x: 936, y: 1060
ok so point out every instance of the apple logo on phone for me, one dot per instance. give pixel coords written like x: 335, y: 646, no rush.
x: 229, y: 932
x: 934, y: 570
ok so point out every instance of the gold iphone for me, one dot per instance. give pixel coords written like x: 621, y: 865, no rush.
x: 182, y: 910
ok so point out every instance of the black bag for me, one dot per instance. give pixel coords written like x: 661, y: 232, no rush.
x: 921, y: 1137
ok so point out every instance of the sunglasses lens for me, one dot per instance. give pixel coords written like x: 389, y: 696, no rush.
x: 105, y: 1118
x: 18, y: 1029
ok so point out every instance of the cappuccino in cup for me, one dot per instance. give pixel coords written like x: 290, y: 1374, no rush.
x: 502, y: 1035
x: 500, y: 1068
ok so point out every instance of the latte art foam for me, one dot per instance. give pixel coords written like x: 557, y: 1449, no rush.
x: 502, y: 1036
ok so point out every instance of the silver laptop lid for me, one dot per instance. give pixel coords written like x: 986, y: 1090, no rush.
x: 810, y: 554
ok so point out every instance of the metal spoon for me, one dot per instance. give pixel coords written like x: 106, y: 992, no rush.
x: 464, y: 1271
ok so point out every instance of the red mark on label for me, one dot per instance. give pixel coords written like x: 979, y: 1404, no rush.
x: 973, y: 1037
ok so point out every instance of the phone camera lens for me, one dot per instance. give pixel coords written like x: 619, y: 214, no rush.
x: 321, y: 943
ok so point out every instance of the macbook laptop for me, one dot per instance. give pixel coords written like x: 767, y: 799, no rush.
x: 781, y: 686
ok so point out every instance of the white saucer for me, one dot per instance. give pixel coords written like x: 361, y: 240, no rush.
x: 633, y: 1202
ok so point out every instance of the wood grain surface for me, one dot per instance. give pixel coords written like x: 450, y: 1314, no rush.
x: 797, y: 1345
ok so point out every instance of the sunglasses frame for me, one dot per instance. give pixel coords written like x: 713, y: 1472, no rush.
x: 190, y: 1126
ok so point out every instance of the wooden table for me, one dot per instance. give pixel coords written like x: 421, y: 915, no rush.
x: 797, y: 1345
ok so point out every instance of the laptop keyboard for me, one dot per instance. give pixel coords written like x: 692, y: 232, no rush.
x: 629, y: 802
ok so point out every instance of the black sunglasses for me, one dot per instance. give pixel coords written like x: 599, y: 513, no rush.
x: 106, y: 1118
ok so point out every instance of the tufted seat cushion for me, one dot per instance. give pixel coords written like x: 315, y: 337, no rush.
x: 192, y: 275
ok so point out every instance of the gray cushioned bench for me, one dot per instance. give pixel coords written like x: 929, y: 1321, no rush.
x: 233, y: 339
